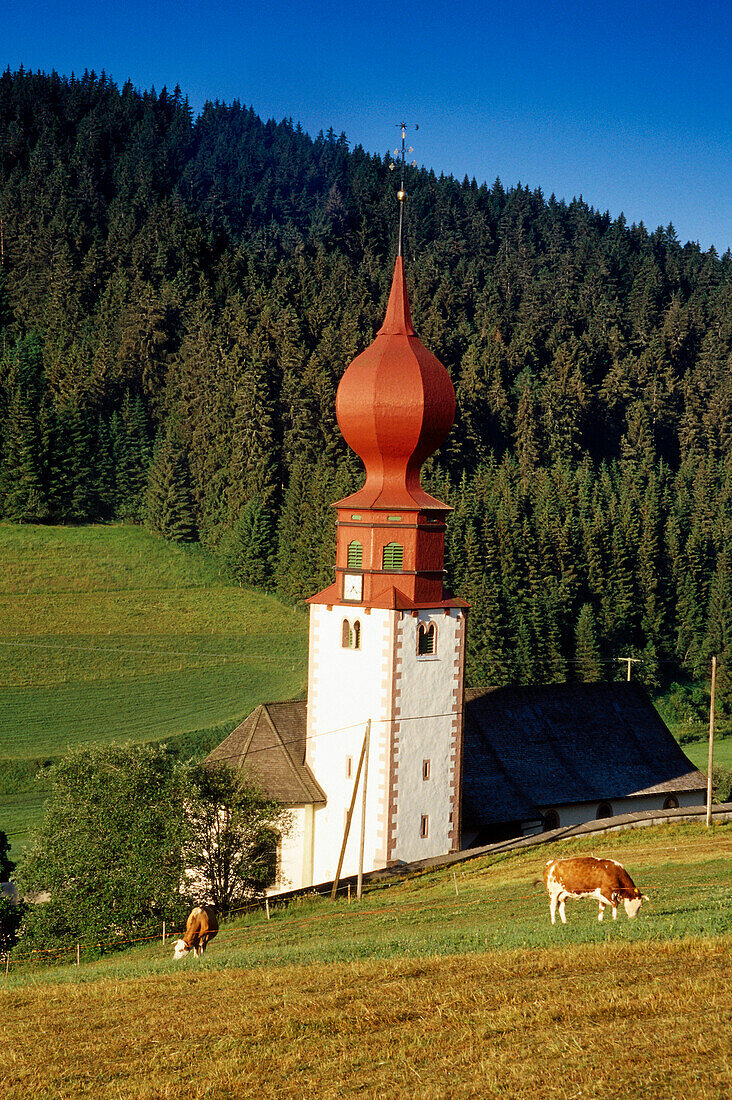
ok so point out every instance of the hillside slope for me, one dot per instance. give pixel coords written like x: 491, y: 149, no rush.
x: 453, y: 983
x: 113, y: 634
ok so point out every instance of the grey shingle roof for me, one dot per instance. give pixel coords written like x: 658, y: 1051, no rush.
x: 527, y: 748
x: 270, y: 745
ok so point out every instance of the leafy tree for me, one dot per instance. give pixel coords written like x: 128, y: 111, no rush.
x: 11, y: 917
x: 230, y: 853
x: 7, y: 866
x: 109, y: 848
x: 132, y: 837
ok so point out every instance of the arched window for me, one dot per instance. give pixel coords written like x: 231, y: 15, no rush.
x: 671, y: 803
x: 551, y: 820
x: 393, y: 558
x: 604, y: 810
x: 355, y: 555
x: 351, y: 635
x: 426, y: 639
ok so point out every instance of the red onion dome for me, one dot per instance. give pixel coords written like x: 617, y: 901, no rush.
x: 395, y: 406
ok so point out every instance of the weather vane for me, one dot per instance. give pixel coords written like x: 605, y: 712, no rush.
x: 401, y: 156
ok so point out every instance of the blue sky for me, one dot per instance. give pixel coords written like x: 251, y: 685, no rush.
x: 626, y: 104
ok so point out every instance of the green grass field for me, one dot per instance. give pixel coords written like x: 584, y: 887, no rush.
x: 416, y: 991
x: 108, y: 633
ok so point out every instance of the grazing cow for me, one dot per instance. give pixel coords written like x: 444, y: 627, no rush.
x: 589, y: 877
x: 201, y: 927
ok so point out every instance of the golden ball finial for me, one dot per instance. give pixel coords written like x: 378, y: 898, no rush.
x: 401, y: 195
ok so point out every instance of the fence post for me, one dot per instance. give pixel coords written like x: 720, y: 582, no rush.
x: 454, y: 877
x: 163, y: 933
x: 266, y: 905
x: 78, y: 955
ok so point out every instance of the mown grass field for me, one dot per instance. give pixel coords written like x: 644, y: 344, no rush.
x: 416, y: 991
x: 698, y: 752
x: 108, y: 633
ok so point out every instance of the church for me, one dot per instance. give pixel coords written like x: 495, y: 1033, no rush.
x: 390, y: 760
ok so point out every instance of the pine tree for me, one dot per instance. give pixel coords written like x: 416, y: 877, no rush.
x: 588, y: 666
x: 169, y: 500
x: 22, y: 498
x: 253, y: 553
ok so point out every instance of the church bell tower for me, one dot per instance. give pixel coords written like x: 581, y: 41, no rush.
x: 387, y: 642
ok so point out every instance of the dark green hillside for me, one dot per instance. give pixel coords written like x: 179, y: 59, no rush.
x: 179, y: 298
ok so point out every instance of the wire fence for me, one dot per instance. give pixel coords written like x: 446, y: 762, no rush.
x: 271, y: 905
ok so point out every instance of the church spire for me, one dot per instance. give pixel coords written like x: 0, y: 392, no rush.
x: 401, y: 193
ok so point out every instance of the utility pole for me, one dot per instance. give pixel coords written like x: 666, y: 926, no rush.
x: 630, y: 661
x: 711, y: 742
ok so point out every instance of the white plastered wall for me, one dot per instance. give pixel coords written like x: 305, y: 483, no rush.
x: 429, y: 712
x: 347, y: 687
x: 579, y: 812
x: 295, y: 855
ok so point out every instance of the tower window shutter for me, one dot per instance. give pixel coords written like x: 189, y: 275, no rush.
x: 393, y: 556
x: 355, y: 555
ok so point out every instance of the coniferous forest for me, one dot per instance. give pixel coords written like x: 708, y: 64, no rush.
x: 179, y: 297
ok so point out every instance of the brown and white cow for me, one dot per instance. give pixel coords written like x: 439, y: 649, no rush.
x: 201, y: 926
x: 590, y: 877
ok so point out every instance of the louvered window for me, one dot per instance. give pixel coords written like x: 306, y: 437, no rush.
x: 393, y: 556
x: 356, y: 634
x: 355, y: 555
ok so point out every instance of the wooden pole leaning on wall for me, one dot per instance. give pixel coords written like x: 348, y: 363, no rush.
x: 710, y: 763
x: 362, y: 842
x: 349, y: 815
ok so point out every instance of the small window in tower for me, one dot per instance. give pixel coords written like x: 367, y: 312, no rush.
x: 424, y: 826
x: 426, y: 639
x: 349, y: 767
x: 346, y: 635
x: 425, y: 769
x: 355, y: 555
x: 357, y: 635
x: 393, y: 556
